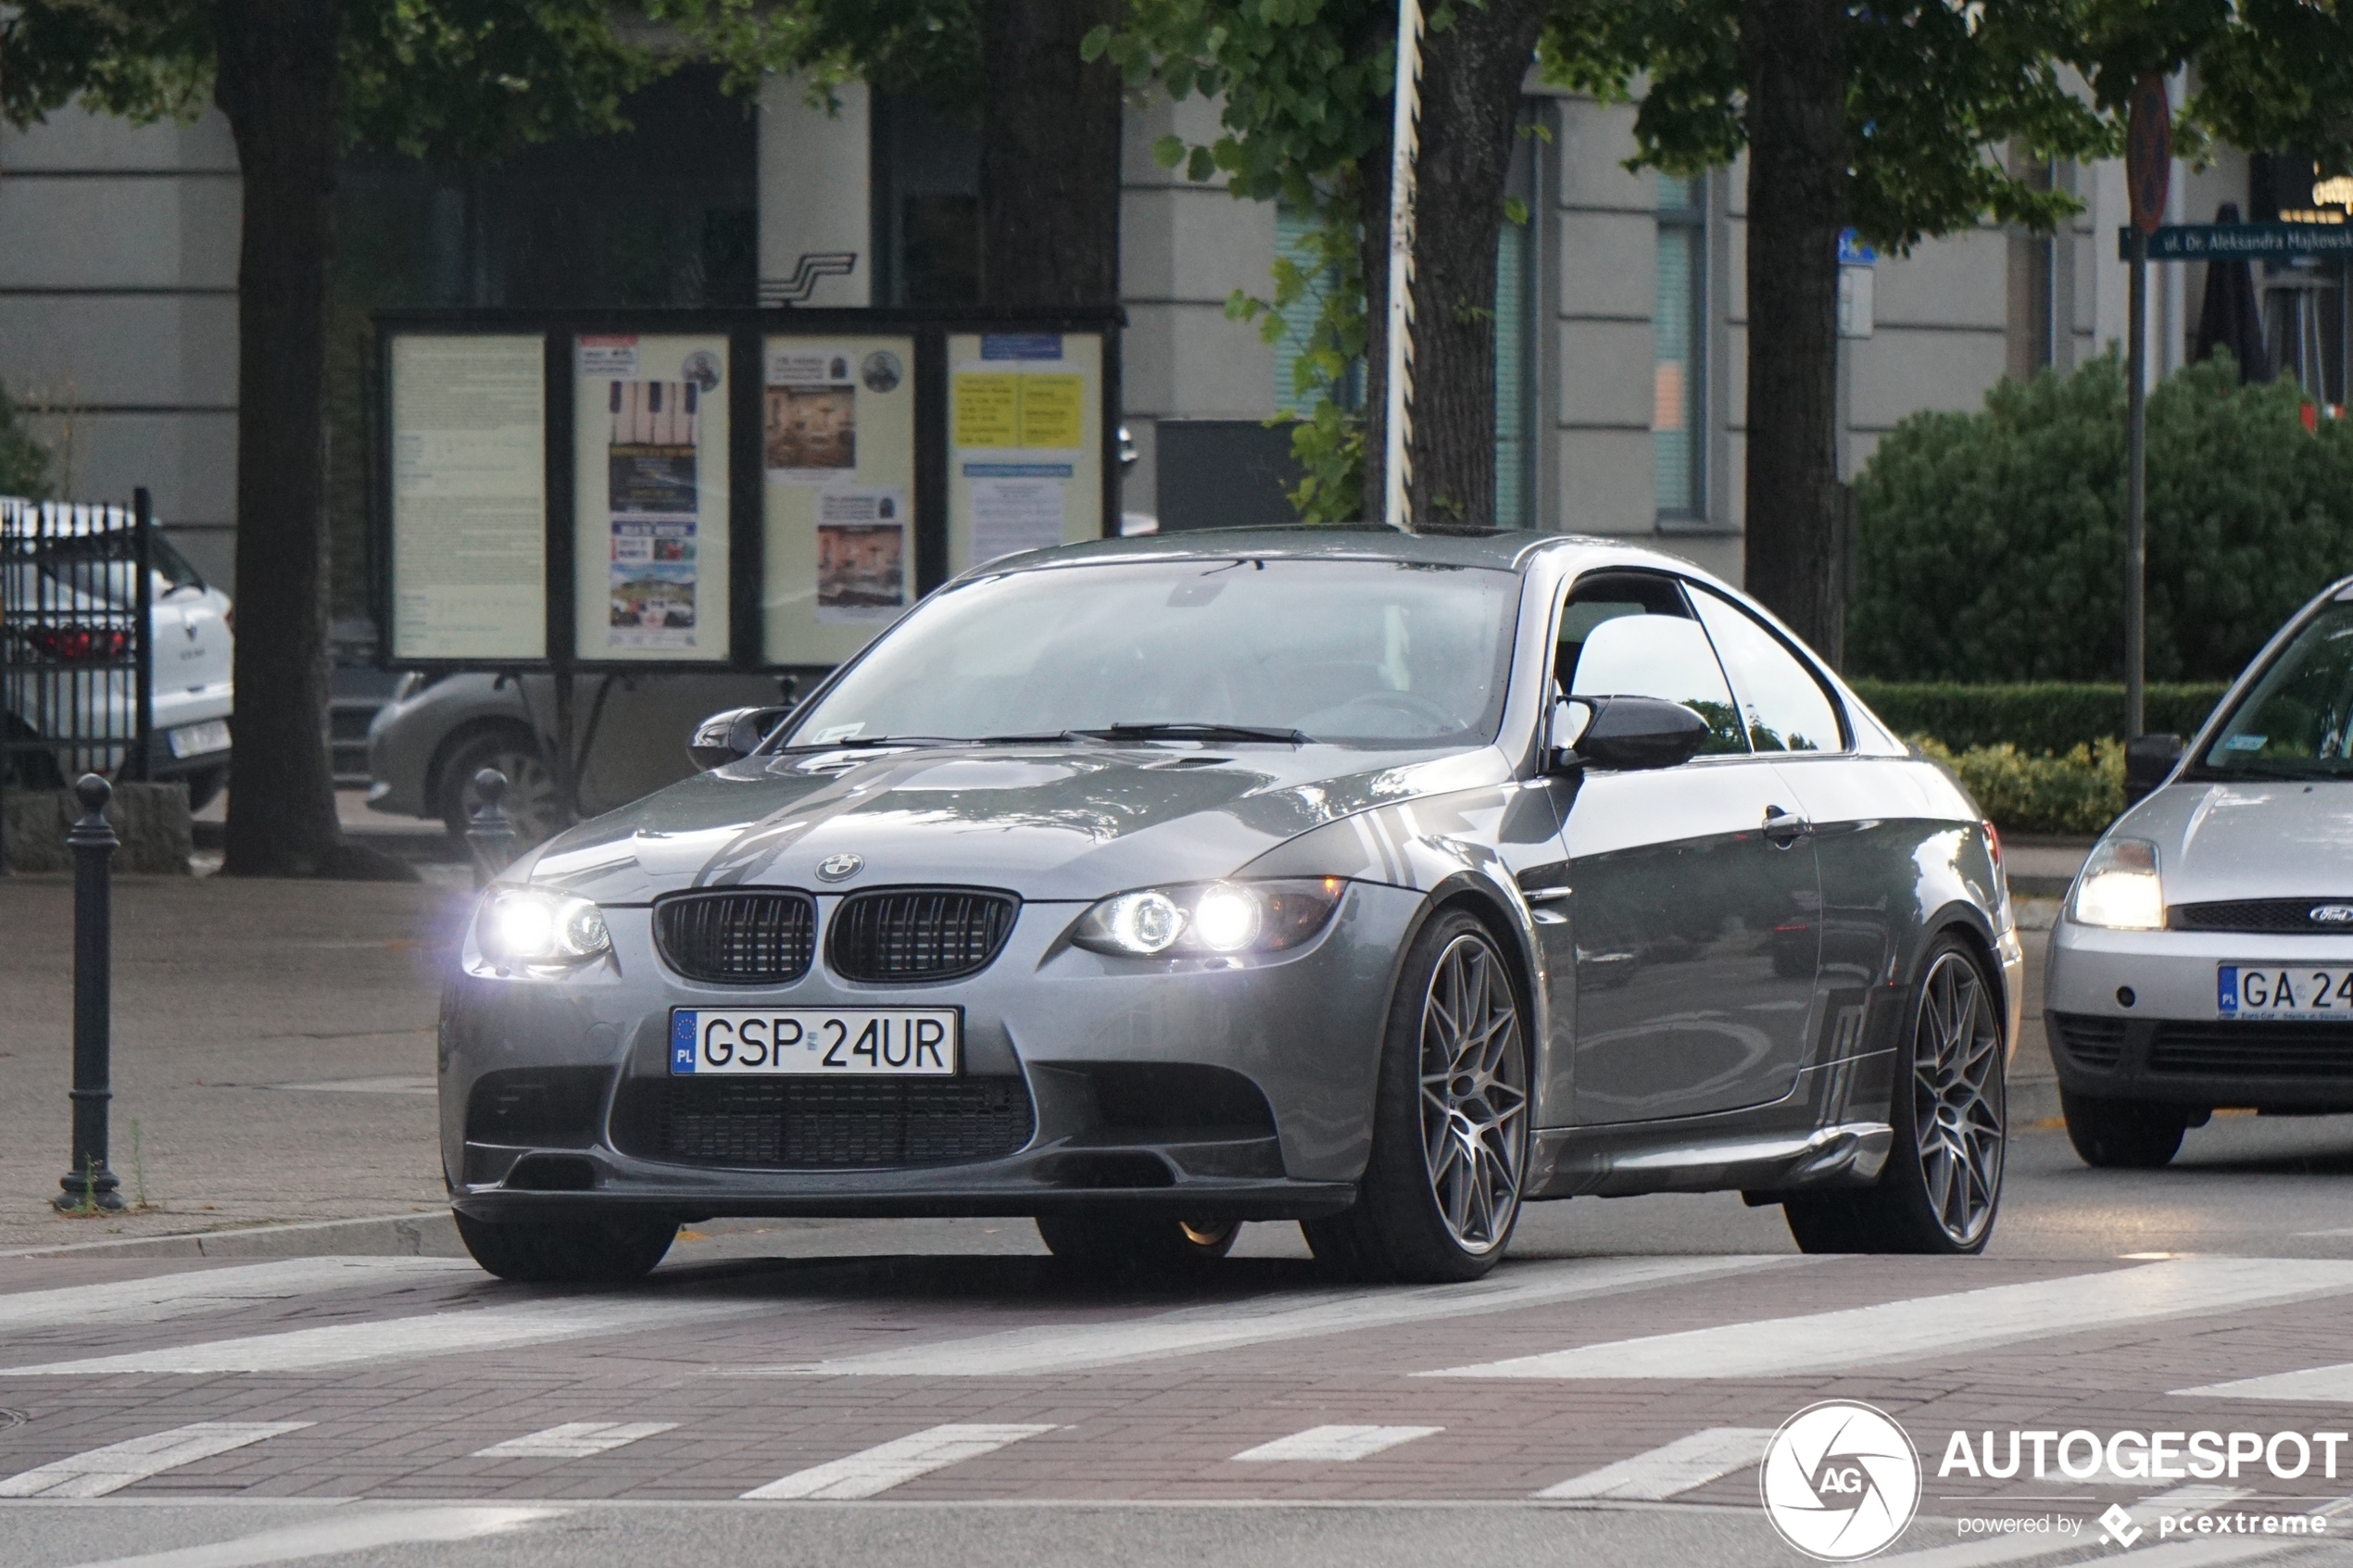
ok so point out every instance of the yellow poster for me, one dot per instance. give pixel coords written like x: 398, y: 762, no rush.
x: 988, y: 409
x: 1052, y: 410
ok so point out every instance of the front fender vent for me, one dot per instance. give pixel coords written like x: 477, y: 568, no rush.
x: 737, y: 936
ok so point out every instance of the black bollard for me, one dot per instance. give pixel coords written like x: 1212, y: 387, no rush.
x: 489, y: 835
x: 90, y: 1184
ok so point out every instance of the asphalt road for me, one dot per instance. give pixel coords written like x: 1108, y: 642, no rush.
x: 933, y: 1393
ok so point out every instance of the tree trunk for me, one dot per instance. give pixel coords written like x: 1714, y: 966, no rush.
x: 1796, y: 52
x: 1048, y: 157
x: 1471, y: 76
x: 276, y: 82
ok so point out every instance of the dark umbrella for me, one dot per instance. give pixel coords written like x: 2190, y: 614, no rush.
x: 2230, y: 317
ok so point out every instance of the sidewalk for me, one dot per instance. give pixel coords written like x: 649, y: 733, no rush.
x: 273, y: 1052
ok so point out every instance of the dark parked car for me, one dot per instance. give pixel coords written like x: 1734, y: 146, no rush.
x: 1376, y: 882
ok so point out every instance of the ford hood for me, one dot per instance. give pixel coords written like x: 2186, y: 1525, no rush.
x: 2255, y: 839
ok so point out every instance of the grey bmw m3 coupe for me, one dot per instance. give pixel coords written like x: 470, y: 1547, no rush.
x: 1377, y: 882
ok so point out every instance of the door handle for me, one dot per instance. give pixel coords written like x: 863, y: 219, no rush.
x: 1785, y: 828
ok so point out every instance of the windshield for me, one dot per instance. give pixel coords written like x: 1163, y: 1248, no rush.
x: 1355, y: 653
x: 100, y: 566
x: 2298, y: 721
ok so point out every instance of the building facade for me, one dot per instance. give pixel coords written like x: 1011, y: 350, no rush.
x: 1621, y: 320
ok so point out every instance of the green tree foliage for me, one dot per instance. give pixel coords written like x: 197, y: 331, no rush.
x: 24, y: 462
x: 1992, y: 544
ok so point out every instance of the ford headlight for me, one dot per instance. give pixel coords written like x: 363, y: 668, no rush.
x: 2119, y: 887
x: 1215, y: 917
x: 527, y: 925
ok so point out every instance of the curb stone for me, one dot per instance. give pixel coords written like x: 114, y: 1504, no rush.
x: 432, y: 1234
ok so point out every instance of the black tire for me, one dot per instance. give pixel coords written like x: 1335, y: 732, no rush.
x: 530, y: 803
x: 568, y: 1252
x: 1137, y: 1244
x: 205, y: 787
x: 1941, y: 1189
x: 2122, y: 1134
x: 1399, y: 1230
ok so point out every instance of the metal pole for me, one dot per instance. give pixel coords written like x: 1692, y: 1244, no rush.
x: 489, y: 835
x: 2135, y: 482
x: 1395, y: 470
x: 143, y: 512
x: 89, y: 1184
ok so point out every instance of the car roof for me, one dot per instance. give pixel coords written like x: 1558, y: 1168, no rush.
x: 1503, y: 550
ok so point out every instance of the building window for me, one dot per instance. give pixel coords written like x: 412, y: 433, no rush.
x: 1678, y: 370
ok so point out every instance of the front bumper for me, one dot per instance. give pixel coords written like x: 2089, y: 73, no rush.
x: 2169, y: 1044
x: 1299, y: 1032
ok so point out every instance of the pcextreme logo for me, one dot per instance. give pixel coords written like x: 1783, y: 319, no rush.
x: 1840, y: 1481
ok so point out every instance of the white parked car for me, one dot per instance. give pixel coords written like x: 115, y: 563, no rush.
x: 2205, y: 958
x: 70, y: 595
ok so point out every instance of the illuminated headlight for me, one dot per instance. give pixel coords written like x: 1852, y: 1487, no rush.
x: 525, y: 925
x: 1217, y: 917
x: 2119, y: 888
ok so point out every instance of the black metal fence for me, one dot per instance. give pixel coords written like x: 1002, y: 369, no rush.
x: 77, y: 676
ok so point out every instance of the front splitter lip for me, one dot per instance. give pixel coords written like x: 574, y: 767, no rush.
x: 1017, y: 1186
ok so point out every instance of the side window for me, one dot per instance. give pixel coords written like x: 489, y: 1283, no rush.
x: 1628, y: 634
x: 1784, y: 704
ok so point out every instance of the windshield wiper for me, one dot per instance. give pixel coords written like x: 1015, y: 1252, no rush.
x: 867, y: 743
x: 1200, y: 732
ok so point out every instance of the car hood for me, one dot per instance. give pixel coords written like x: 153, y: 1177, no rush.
x: 2256, y: 839
x: 1048, y: 822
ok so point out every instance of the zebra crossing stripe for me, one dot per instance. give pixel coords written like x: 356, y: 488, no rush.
x: 575, y: 1439
x: 1676, y: 1467
x: 101, y: 1471
x: 1334, y: 1445
x: 2329, y: 1385
x: 340, y: 1533
x: 432, y: 1334
x: 1934, y: 1328
x: 894, y: 1464
x: 161, y: 1296
x: 1279, y: 1316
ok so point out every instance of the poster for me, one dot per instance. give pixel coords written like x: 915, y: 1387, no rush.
x: 810, y: 436
x: 838, y: 459
x: 469, y: 497
x: 863, y: 562
x: 650, y: 556
x: 1024, y: 443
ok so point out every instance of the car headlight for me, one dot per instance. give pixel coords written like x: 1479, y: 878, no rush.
x: 526, y: 925
x: 2119, y: 888
x: 1216, y: 917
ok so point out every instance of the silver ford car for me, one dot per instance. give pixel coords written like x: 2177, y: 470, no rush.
x: 2204, y: 957
x: 1375, y: 882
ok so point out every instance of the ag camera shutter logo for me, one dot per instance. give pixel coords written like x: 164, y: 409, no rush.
x: 1840, y: 1481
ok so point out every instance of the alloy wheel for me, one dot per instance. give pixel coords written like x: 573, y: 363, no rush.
x: 1958, y: 1110
x: 1473, y: 1094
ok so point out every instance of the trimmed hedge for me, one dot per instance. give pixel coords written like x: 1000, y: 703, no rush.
x: 2077, y: 793
x: 2049, y: 716
x: 1990, y: 545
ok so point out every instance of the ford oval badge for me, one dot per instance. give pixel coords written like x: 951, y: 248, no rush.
x: 841, y: 868
x: 2330, y: 914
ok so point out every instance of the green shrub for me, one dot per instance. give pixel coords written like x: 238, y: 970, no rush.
x: 2079, y: 792
x: 1991, y: 545
x: 2044, y: 716
x: 24, y: 462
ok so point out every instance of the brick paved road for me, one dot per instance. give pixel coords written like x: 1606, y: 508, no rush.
x: 939, y: 1393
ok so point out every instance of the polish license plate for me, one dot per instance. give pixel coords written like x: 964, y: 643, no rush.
x: 813, y: 1043
x: 2271, y: 990
x: 195, y: 740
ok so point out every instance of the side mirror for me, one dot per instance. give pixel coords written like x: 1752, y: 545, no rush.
x: 2147, y: 758
x: 1628, y: 734
x: 732, y: 735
